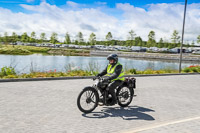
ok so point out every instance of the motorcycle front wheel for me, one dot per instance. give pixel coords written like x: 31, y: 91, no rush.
x: 87, y: 100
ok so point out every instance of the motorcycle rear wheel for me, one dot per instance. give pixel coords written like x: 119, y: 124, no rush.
x: 87, y: 100
x: 124, y: 96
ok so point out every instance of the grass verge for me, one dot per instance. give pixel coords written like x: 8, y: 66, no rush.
x: 28, y: 50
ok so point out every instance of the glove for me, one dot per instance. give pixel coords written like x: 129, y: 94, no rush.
x: 96, y: 77
x: 106, y: 79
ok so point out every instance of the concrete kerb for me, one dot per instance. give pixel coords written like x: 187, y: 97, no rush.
x: 169, y: 74
x: 87, y: 77
x: 43, y: 79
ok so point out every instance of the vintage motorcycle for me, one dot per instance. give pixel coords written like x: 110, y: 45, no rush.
x: 90, y: 96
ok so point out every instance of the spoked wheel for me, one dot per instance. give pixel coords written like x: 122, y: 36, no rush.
x: 87, y: 100
x: 124, y: 96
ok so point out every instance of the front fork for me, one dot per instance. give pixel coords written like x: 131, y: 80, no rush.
x: 105, y: 97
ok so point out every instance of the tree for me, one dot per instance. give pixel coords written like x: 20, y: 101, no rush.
x: 92, y: 39
x: 32, y: 37
x: 187, y: 45
x: 161, y: 40
x: 192, y: 44
x: 14, y: 37
x: 109, y: 36
x: 175, y: 37
x: 171, y: 45
x: 76, y: 42
x: 1, y: 39
x: 67, y: 38
x: 42, y: 37
x: 80, y: 38
x: 131, y: 36
x: 138, y: 41
x: 54, y: 38
x: 161, y: 43
x: 198, y: 39
x: 151, y: 41
x: 24, y: 37
x: 5, y: 38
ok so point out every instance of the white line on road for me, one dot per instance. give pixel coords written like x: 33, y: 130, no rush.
x: 161, y: 125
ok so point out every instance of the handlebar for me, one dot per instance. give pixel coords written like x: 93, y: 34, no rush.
x: 101, y: 79
x: 97, y: 77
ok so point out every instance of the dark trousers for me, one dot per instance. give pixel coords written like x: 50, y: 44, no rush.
x: 112, y: 86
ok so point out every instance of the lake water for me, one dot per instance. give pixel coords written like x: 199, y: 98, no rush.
x: 37, y: 62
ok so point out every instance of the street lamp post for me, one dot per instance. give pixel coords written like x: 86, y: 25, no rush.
x: 180, y: 60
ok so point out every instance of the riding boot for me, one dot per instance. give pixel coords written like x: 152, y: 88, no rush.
x: 101, y: 101
x: 114, y: 99
x: 112, y: 92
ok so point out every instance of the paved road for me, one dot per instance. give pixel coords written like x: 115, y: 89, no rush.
x: 163, y: 104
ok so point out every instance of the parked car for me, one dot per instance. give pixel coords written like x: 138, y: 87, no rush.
x: 136, y: 48
x: 196, y: 52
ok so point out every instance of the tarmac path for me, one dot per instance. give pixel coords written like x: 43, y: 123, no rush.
x: 163, y: 104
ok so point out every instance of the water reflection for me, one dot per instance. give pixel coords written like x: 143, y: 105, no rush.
x: 36, y: 62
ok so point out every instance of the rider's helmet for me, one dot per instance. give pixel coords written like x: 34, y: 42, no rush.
x: 113, y: 57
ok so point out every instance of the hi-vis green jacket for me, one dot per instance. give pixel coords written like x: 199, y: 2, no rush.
x: 115, y: 72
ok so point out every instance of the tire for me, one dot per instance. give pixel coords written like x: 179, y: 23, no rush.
x: 91, y: 100
x: 124, y: 96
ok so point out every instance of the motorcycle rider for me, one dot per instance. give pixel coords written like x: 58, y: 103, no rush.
x: 114, y: 73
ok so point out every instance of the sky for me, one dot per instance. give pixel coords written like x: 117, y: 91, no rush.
x: 100, y: 17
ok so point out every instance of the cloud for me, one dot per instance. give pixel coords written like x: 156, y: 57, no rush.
x: 162, y: 18
x: 101, y: 3
x: 72, y: 4
x: 88, y: 27
x: 50, y: 18
x: 74, y: 18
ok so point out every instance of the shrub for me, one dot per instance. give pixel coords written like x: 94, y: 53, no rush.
x: 192, y: 69
x: 148, y: 71
x: 168, y: 70
x: 187, y: 70
x: 10, y: 77
x: 5, y: 71
x: 132, y: 71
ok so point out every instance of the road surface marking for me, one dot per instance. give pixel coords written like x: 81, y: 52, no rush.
x: 162, y: 125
